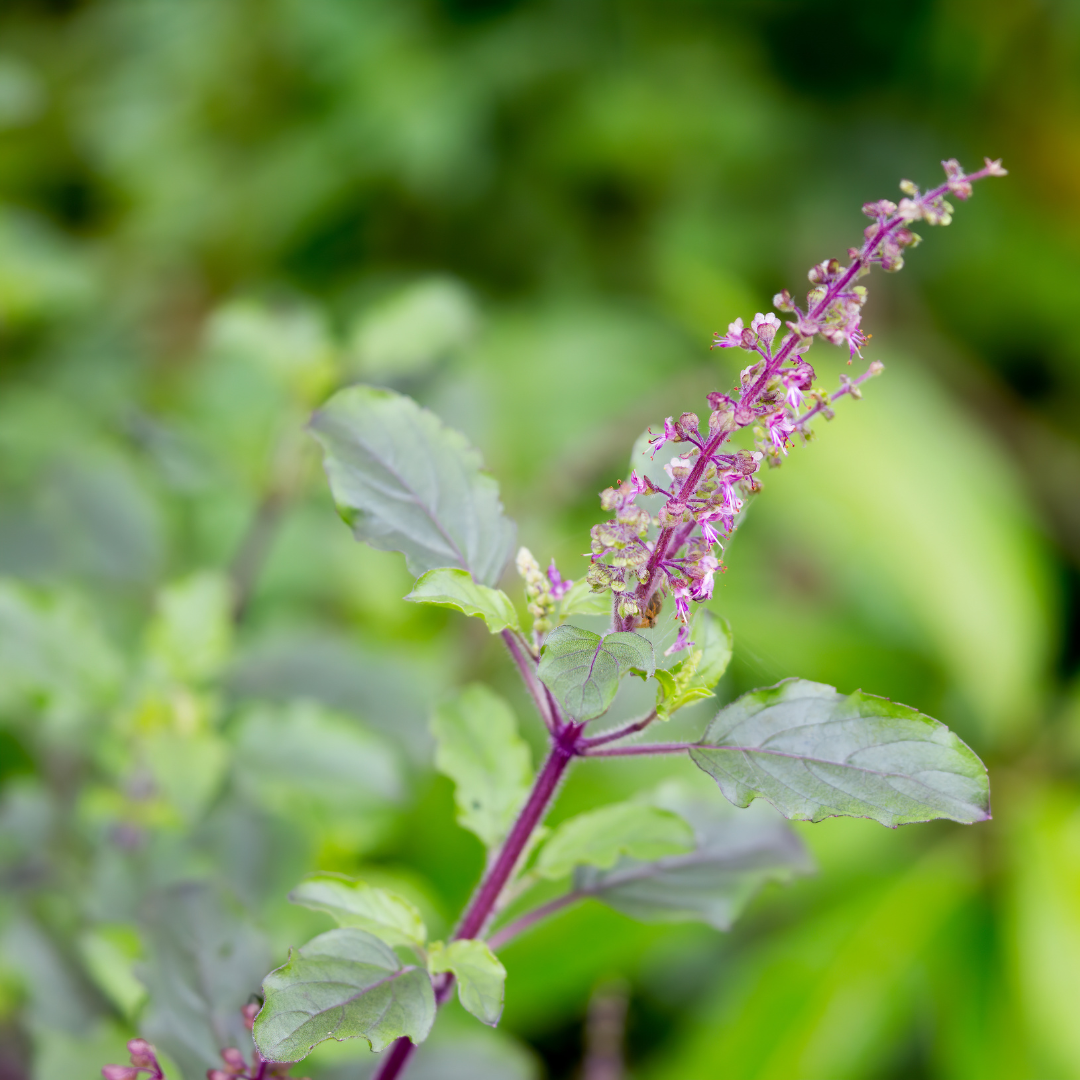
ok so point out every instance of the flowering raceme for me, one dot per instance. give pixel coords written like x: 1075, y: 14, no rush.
x: 642, y: 558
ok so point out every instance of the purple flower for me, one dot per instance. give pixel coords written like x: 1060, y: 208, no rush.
x: 703, y: 586
x: 707, y: 530
x: 682, y: 601
x: 779, y: 428
x: 681, y: 642
x: 765, y: 326
x: 559, y: 588
x: 733, y: 339
x: 670, y: 434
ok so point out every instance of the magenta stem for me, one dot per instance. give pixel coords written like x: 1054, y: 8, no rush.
x: 541, y: 696
x: 484, y: 901
x: 530, y: 918
x: 642, y: 748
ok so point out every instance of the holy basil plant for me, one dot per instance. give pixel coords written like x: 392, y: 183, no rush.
x: 405, y: 482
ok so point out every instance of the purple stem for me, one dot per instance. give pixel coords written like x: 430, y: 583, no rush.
x: 540, y: 694
x: 511, y: 930
x: 644, y: 748
x: 618, y: 733
x: 482, y: 906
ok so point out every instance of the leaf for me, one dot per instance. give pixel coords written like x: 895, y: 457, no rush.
x: 190, y: 636
x: 204, y: 959
x: 447, y: 587
x: 735, y: 852
x: 405, y: 482
x: 814, y: 753
x: 302, y: 758
x: 414, y: 328
x: 480, y: 976
x: 344, y: 984
x: 56, y: 666
x: 355, y: 903
x: 600, y: 837
x: 479, y: 748
x: 580, y: 599
x: 712, y: 637
x: 693, y: 678
x: 109, y: 954
x: 582, y: 669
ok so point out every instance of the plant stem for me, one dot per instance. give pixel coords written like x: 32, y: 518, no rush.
x: 530, y: 918
x: 617, y: 733
x: 643, y: 748
x: 540, y: 695
x: 482, y: 906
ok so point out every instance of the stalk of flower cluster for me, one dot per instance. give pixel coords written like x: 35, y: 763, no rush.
x: 884, y: 242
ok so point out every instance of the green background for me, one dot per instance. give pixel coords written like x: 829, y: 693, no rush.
x: 531, y: 216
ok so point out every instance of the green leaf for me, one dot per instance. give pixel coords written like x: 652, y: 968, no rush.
x: 712, y: 638
x: 735, y: 852
x: 188, y: 768
x: 304, y: 758
x: 109, y: 953
x: 478, y: 746
x: 406, y: 482
x: 414, y: 328
x: 355, y: 903
x: 693, y: 678
x: 344, y: 984
x: 481, y: 978
x: 582, y: 669
x: 190, y: 636
x: 447, y: 587
x: 580, y: 599
x: 814, y: 753
x: 204, y: 956
x: 601, y: 837
x: 56, y: 666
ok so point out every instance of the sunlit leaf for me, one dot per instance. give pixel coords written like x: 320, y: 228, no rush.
x: 479, y: 748
x: 190, y: 636
x: 55, y: 662
x: 582, y: 669
x: 814, y: 753
x: 481, y: 978
x: 413, y: 329
x: 355, y: 903
x: 601, y: 837
x: 447, y: 587
x: 344, y: 984
x: 405, y: 482
x: 735, y: 852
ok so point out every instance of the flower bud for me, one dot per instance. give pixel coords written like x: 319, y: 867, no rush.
x: 783, y: 301
x: 876, y: 368
x: 234, y: 1059
x: 119, y: 1072
x: 722, y: 420
x: 909, y: 188
x: 880, y: 209
x: 250, y: 1011
x: 629, y: 606
x: 687, y: 425
x: 142, y: 1054
x: 599, y: 577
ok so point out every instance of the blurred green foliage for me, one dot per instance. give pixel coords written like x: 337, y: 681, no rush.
x: 530, y: 216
